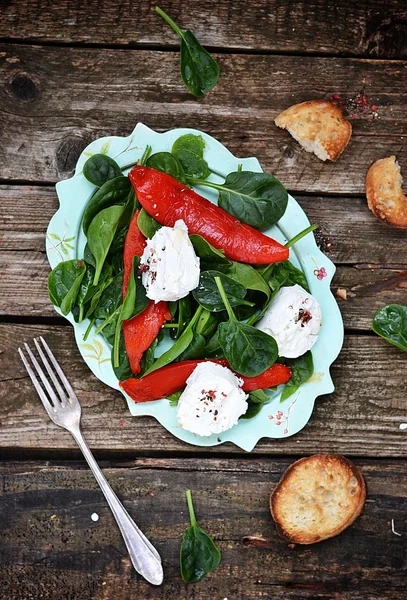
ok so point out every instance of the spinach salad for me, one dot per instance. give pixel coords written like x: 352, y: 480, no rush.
x: 216, y: 320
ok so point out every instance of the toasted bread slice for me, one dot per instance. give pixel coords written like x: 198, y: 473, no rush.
x: 317, y: 498
x: 319, y: 126
x: 384, y: 192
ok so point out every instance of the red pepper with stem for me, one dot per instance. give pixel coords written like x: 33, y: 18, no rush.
x: 163, y: 382
x: 140, y: 331
x: 168, y: 200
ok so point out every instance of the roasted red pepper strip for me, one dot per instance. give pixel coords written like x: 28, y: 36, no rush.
x: 167, y: 200
x: 170, y: 379
x: 133, y: 246
x: 140, y: 332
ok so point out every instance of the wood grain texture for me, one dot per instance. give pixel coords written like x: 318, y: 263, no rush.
x: 51, y: 549
x: 354, y: 234
x: 356, y: 28
x: 362, y: 417
x: 368, y: 288
x: 61, y: 99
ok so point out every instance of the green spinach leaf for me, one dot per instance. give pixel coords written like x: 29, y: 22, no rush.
x: 184, y: 314
x: 206, y: 324
x: 179, y: 347
x: 249, y: 278
x: 147, y: 225
x: 126, y: 312
x: 208, y: 296
x: 248, y: 350
x: 199, y: 71
x: 123, y: 370
x: 64, y: 283
x: 188, y: 150
x: 148, y: 358
x: 390, y: 322
x: 206, y: 252
x: 115, y: 191
x: 285, y: 274
x: 100, y: 168
x: 256, y: 401
x: 256, y: 199
x: 302, y: 368
x: 199, y: 555
x: 196, y: 348
x: 167, y: 163
x: 101, y: 233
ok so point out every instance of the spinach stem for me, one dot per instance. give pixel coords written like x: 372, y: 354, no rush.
x: 171, y: 325
x: 192, y: 518
x: 116, y: 343
x: 87, y: 332
x: 300, y: 235
x: 81, y: 309
x: 144, y: 156
x: 170, y: 22
x: 108, y: 320
x: 133, y: 164
x: 225, y: 299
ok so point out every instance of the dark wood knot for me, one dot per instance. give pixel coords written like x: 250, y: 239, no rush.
x: 387, y: 37
x: 288, y: 152
x: 68, y: 152
x: 23, y: 87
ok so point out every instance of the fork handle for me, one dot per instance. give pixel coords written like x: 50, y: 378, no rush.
x: 144, y: 556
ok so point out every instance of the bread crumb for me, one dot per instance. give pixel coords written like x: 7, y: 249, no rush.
x: 341, y: 293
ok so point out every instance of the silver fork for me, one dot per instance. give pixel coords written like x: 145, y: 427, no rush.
x: 64, y: 410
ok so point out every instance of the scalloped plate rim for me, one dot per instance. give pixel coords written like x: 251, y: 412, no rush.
x: 248, y: 432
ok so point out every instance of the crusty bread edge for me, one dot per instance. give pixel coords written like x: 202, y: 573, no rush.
x: 371, y: 196
x: 338, y: 151
x: 356, y: 473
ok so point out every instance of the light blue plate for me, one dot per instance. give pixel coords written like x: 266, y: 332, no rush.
x: 66, y: 241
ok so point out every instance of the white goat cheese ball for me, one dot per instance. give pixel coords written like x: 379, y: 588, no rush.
x: 293, y: 319
x: 212, y: 401
x: 169, y: 265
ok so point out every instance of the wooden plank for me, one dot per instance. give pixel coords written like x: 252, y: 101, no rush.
x: 353, y: 27
x: 349, y: 232
x: 52, y: 549
x: 368, y: 287
x: 362, y: 417
x: 56, y: 100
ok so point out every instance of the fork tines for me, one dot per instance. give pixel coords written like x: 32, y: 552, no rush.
x: 49, y: 399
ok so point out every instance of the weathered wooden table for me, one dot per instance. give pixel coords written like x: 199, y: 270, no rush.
x: 74, y: 71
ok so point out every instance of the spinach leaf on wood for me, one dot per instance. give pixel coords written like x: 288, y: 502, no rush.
x: 64, y: 283
x: 208, y: 296
x: 256, y: 199
x: 115, y: 191
x: 147, y: 225
x: 199, y: 71
x: 302, y: 368
x: 100, y: 168
x: 188, y: 150
x: 198, y: 555
x: 101, y: 233
x: 167, y: 163
x: 390, y: 322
